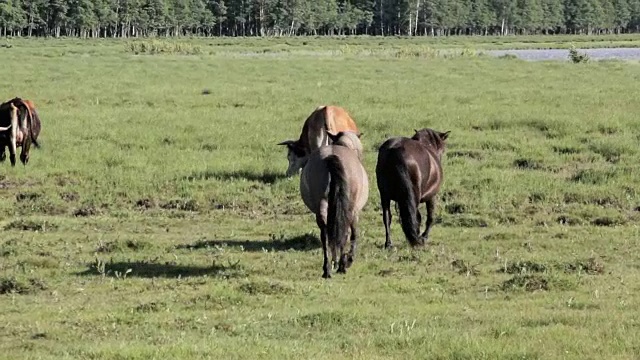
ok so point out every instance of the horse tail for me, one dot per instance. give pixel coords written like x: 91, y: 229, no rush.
x: 32, y: 132
x: 338, y: 211
x: 407, y: 204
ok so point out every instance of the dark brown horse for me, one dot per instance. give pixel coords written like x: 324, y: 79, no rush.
x: 409, y: 172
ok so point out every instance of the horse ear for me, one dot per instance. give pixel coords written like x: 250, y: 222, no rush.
x: 287, y: 142
x: 335, y: 137
x: 444, y: 135
x: 416, y: 131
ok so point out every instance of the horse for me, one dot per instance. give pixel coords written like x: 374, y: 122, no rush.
x: 22, y: 133
x: 324, y: 120
x: 335, y: 187
x: 409, y: 172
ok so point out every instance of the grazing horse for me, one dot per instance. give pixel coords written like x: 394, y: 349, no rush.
x: 323, y: 121
x: 409, y: 172
x: 335, y: 187
x: 21, y: 132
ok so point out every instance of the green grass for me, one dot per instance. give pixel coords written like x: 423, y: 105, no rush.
x: 155, y: 222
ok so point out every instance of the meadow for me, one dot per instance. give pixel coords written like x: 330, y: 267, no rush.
x: 156, y: 220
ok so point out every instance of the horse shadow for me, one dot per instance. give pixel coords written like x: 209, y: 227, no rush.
x: 266, y: 177
x: 306, y: 242
x: 141, y: 269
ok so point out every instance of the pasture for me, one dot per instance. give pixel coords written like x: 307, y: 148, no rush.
x: 156, y: 221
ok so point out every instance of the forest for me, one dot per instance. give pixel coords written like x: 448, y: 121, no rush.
x: 147, y: 18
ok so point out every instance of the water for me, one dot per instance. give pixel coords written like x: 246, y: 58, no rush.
x: 562, y: 54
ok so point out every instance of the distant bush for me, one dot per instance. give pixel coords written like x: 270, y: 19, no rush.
x: 577, y: 57
x: 421, y: 52
x: 153, y: 47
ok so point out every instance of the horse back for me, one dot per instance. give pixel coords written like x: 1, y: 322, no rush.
x: 423, y: 166
x: 336, y: 119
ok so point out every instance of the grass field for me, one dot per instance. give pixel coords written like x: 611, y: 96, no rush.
x: 156, y: 222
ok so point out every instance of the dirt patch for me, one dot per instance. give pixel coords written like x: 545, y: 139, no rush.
x: 569, y: 220
x: 607, y: 221
x: 27, y: 197
x: 537, y: 197
x: 497, y: 237
x: 266, y: 288
x: 521, y: 267
x: 566, y: 150
x: 471, y: 154
x: 149, y: 307
x: 145, y: 203
x: 31, y: 225
x: 4, y: 183
x: 64, y: 180
x: 463, y: 268
x: 87, y: 210
x: 529, y: 282
x: 181, y: 204
x: 466, y: 221
x: 113, y: 246
x: 11, y: 285
x: 455, y: 208
x: 528, y: 164
x: 69, y: 196
x: 590, y: 266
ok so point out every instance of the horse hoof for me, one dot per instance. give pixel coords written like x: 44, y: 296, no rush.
x: 326, y: 276
x: 418, y: 245
x: 349, y: 262
x: 388, y: 246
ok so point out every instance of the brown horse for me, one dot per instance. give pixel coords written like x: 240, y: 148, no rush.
x: 409, y: 172
x: 335, y: 187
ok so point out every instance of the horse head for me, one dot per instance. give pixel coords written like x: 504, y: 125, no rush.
x: 432, y: 139
x: 295, y: 155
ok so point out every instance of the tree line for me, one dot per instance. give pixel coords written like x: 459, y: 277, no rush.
x: 138, y: 18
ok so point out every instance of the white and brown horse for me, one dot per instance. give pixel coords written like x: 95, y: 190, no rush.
x: 335, y: 187
x: 323, y: 121
x: 19, y: 127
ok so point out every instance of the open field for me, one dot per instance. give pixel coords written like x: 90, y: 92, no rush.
x: 156, y: 222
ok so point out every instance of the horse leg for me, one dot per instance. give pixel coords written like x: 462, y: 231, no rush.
x: 3, y: 155
x: 326, y: 266
x: 12, y: 153
x: 354, y: 243
x: 419, y: 217
x: 342, y: 265
x: 430, y: 205
x: 24, y: 153
x: 347, y: 259
x: 386, y: 219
